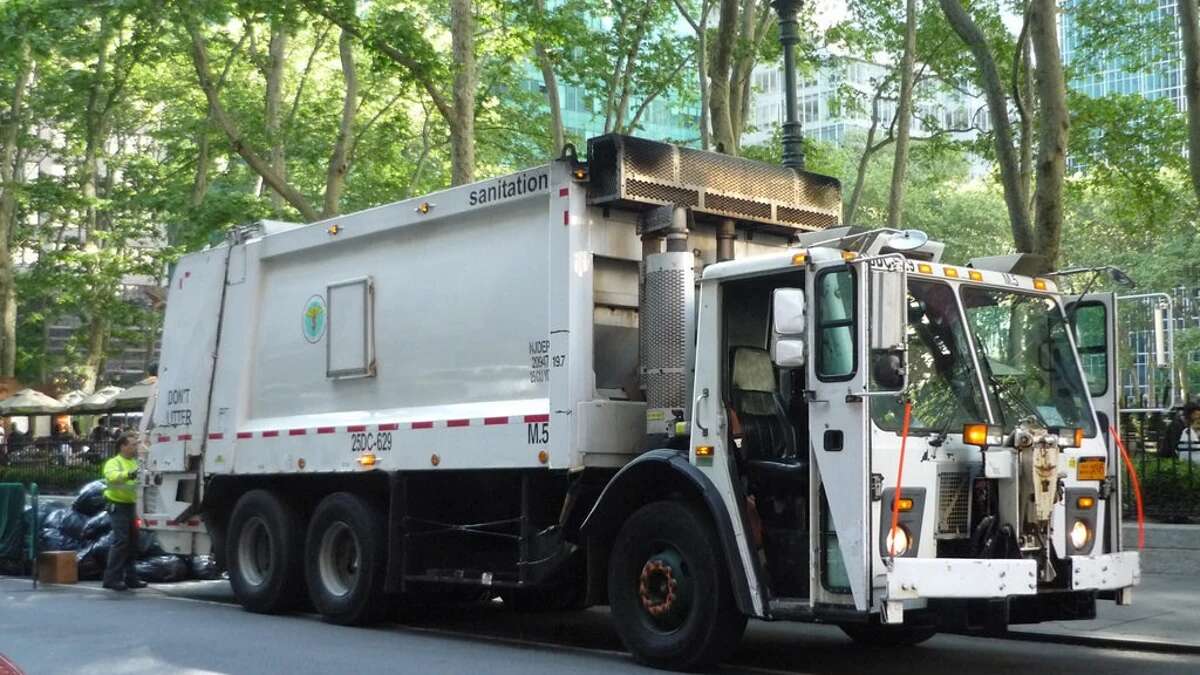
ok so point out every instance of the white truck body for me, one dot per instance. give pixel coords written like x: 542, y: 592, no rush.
x: 489, y: 381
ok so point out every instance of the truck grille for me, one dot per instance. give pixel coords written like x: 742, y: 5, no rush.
x: 953, y: 512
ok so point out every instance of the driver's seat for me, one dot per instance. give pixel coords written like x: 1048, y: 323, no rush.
x: 768, y: 437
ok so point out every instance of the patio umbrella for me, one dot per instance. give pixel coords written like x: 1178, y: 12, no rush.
x: 99, y: 401
x: 73, y: 398
x: 29, y: 402
x: 134, y: 398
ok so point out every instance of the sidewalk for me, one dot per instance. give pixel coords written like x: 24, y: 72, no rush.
x: 1165, y: 614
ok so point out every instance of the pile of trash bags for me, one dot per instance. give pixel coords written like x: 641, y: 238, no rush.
x: 86, y: 528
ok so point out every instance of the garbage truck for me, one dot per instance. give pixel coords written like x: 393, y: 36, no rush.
x: 663, y: 380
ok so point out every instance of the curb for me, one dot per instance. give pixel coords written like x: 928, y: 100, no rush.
x: 1099, y: 642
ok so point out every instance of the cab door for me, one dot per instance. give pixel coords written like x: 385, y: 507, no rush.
x: 838, y: 435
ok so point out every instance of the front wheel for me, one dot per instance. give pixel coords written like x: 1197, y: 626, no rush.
x: 882, y: 635
x: 669, y: 589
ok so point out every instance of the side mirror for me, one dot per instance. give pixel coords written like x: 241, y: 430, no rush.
x: 888, y: 334
x: 788, y: 306
x: 788, y: 348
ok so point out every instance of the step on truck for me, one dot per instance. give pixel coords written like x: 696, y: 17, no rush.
x: 663, y: 380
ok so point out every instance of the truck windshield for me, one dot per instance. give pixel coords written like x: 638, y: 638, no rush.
x: 1027, y: 360
x: 944, y: 389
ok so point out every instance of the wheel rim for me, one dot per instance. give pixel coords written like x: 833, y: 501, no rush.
x: 338, y: 559
x: 665, y: 589
x: 255, y: 548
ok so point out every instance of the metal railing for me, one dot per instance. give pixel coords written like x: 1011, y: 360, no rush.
x: 1170, y: 482
x: 57, y: 465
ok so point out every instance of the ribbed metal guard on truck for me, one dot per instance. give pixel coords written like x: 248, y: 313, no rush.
x: 637, y: 173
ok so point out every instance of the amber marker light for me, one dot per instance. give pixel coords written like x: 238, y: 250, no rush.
x: 905, y: 504
x: 704, y: 451
x: 924, y: 268
x: 1078, y: 438
x: 1039, y: 284
x: 543, y: 456
x: 975, y: 434
x: 800, y: 259
x: 849, y: 255
x: 975, y: 276
x: 950, y: 272
x: 1085, y: 502
x: 367, y: 460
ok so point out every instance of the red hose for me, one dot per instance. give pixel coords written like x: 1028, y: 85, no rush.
x: 1137, y: 488
x: 900, y: 478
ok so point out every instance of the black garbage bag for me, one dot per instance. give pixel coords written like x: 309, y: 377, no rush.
x: 53, y: 539
x: 53, y: 518
x: 162, y: 569
x: 89, y: 569
x: 147, y: 545
x: 95, y: 554
x: 73, y: 523
x: 204, y: 567
x: 91, y: 499
x: 97, y: 526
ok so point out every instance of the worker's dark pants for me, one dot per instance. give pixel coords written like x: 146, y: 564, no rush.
x: 121, y: 553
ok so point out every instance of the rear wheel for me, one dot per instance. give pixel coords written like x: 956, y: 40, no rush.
x: 669, y: 589
x: 882, y: 635
x: 263, y: 549
x: 345, y: 560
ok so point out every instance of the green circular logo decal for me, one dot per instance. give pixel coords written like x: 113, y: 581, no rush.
x: 313, y: 323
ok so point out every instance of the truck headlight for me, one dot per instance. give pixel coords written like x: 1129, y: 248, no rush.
x: 1081, y: 535
x: 899, y: 539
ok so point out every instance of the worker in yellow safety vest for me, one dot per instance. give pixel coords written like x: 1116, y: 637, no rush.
x: 120, y: 476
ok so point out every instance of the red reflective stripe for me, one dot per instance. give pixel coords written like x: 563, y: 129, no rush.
x: 389, y: 427
x: 566, y: 217
x: 164, y: 439
x: 563, y: 192
x: 325, y: 430
x: 195, y: 522
x: 185, y: 437
x: 245, y: 434
x: 458, y: 423
x: 297, y: 432
x: 531, y: 419
x: 215, y: 437
x: 151, y: 522
x: 495, y: 420
x: 270, y: 434
x: 422, y: 425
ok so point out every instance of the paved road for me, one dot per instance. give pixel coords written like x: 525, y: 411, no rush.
x: 193, y: 628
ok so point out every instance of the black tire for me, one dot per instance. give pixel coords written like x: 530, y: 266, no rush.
x: 345, y: 560
x: 879, y: 635
x: 684, y: 616
x: 264, y: 548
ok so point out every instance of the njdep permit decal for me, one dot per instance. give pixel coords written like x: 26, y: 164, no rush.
x: 313, y: 323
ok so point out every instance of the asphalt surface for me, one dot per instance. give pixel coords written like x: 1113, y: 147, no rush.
x: 192, y: 627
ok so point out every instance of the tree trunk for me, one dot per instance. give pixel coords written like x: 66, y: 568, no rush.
x: 628, y: 70
x: 903, y: 117
x: 276, y: 62
x: 1190, y: 29
x: 1053, y: 130
x: 260, y: 166
x: 718, y: 77
x: 11, y: 173
x: 1006, y: 156
x: 1022, y: 92
x: 339, y: 163
x: 93, y: 124
x: 97, y: 348
x: 558, y: 135
x: 743, y: 65
x: 462, y: 126
x: 702, y: 74
x: 200, y: 181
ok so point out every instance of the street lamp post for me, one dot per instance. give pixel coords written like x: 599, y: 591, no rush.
x: 789, y: 35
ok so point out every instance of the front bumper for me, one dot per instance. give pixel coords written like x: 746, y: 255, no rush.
x: 913, y: 578
x: 1106, y: 572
